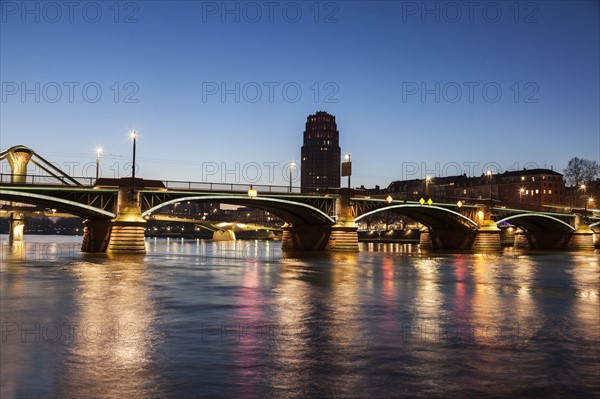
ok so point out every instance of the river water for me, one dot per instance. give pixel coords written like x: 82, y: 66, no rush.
x: 241, y: 320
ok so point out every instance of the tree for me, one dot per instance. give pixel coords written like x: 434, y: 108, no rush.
x: 581, y: 171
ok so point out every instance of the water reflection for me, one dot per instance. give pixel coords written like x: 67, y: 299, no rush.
x: 113, y: 333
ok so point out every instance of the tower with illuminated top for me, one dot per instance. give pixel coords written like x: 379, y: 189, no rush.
x: 320, y: 156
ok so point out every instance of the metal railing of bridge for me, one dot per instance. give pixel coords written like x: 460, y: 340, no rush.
x: 47, y: 180
x: 228, y: 187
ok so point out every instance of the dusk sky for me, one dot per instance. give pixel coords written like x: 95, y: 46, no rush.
x: 417, y: 88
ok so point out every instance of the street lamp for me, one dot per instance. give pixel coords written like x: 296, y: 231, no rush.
x: 489, y: 173
x: 584, y: 197
x: 521, y: 191
x: 98, y: 152
x: 133, y: 135
x: 347, y: 158
x: 292, y: 164
x: 427, y: 180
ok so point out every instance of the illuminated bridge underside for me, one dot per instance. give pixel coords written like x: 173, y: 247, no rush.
x: 295, y: 213
x: 542, y: 231
x: 448, y: 229
x: 433, y: 217
x: 84, y: 203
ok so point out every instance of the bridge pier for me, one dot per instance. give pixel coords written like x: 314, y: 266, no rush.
x: 507, y: 236
x: 582, y: 237
x: 96, y: 234
x: 223, y: 235
x: 305, y: 238
x: 127, y: 229
x: 16, y: 227
x: 425, y: 238
x: 344, y: 235
x: 488, y: 236
x: 338, y: 237
x: 520, y: 239
x: 18, y: 157
x: 452, y: 239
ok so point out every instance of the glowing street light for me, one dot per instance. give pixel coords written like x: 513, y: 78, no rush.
x: 133, y: 135
x: 427, y: 180
x: 521, y: 191
x: 98, y: 152
x: 582, y: 187
x: 348, y: 168
x: 292, y: 165
x: 389, y: 199
x: 489, y: 173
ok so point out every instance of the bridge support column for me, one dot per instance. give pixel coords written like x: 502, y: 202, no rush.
x: 96, y: 235
x: 16, y: 227
x: 452, y: 239
x: 18, y: 158
x: 582, y: 237
x: 305, y: 238
x: 425, y: 238
x: 344, y: 235
x: 507, y: 236
x: 224, y: 235
x: 127, y: 229
x: 488, y: 236
x: 520, y: 239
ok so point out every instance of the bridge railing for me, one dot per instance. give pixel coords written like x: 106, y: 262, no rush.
x: 47, y: 180
x: 228, y: 187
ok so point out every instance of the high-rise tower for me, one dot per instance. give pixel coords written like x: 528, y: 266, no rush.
x: 320, y: 158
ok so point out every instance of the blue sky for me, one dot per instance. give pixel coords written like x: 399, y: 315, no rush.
x: 416, y: 87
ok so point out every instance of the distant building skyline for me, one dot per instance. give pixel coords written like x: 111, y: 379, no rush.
x: 320, y: 153
x: 527, y: 188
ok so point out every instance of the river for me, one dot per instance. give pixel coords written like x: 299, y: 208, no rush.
x: 194, y: 319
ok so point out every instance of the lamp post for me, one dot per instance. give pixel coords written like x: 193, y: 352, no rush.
x: 489, y: 173
x: 521, y: 191
x: 292, y: 164
x: 133, y: 135
x: 348, y: 159
x: 427, y: 180
x: 98, y: 152
x: 584, y: 198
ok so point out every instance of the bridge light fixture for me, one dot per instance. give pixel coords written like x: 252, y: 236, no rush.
x: 459, y: 204
x: 252, y: 193
x: 389, y: 199
x: 480, y: 216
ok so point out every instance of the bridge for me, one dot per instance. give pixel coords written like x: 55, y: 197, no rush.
x: 116, y: 210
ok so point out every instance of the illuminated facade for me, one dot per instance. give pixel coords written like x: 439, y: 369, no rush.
x: 320, y: 156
